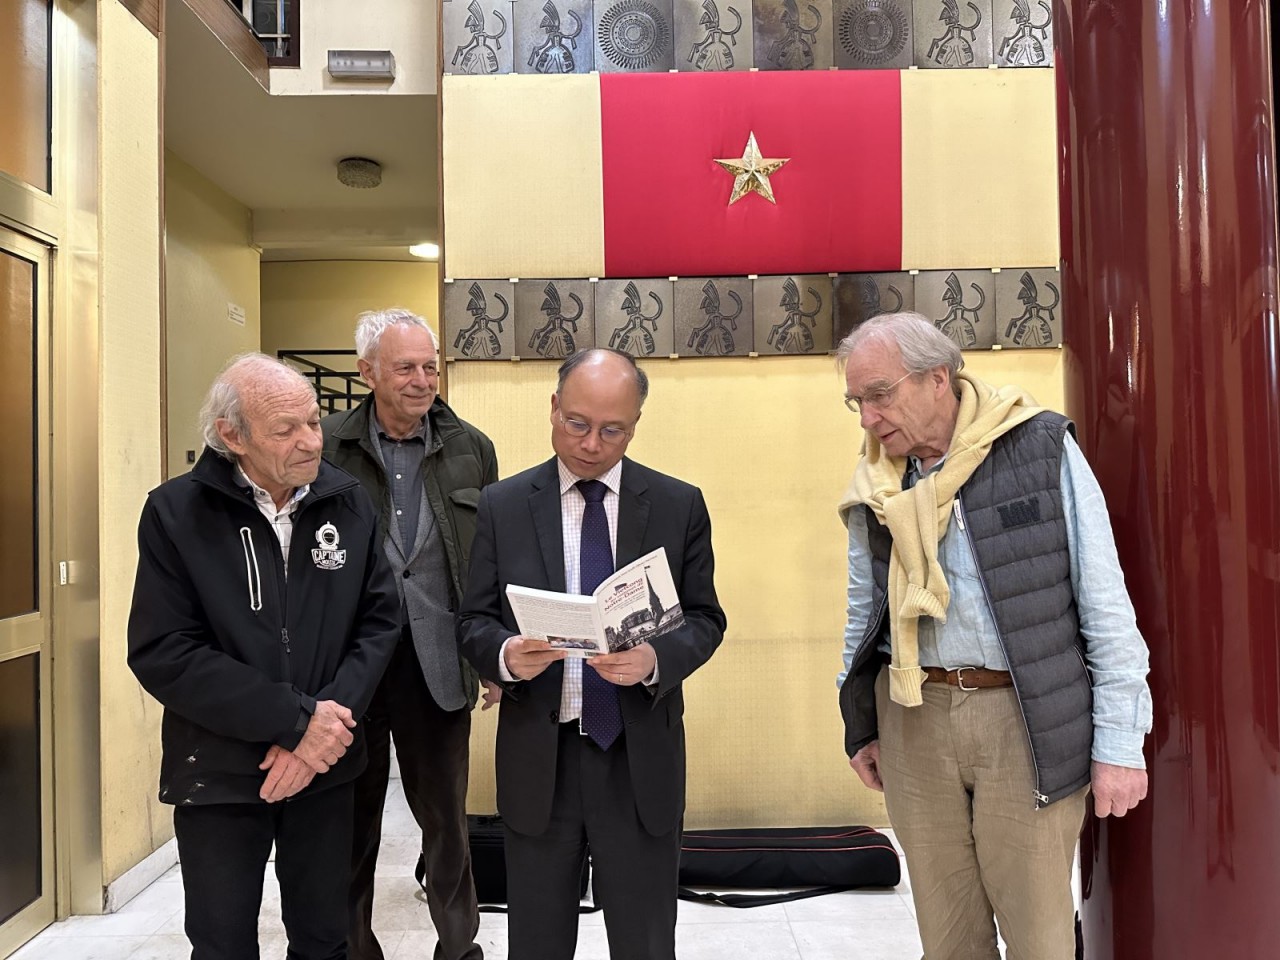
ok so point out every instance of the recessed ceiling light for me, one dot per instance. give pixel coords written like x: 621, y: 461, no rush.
x: 427, y: 251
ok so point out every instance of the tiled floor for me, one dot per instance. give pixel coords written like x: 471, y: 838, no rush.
x: 871, y: 925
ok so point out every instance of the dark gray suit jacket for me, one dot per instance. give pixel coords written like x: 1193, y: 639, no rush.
x: 519, y: 540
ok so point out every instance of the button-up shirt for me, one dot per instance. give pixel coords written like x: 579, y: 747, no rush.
x: 402, y: 459
x: 1114, y: 649
x: 281, y: 519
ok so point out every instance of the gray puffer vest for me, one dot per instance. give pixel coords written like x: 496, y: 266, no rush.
x: 1011, y: 513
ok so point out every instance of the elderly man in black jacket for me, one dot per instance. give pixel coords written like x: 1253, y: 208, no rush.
x: 424, y: 466
x: 263, y: 616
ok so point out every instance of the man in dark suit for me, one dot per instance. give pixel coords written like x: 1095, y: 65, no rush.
x: 590, y: 754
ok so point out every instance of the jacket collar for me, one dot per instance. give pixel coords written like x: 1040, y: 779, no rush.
x: 217, y: 472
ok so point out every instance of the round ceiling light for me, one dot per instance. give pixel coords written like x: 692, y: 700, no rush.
x: 359, y: 172
x: 427, y: 251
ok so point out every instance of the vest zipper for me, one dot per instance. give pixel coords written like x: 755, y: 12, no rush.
x: 1040, y: 799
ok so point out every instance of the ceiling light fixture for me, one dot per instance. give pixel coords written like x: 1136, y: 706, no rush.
x: 427, y: 251
x: 359, y: 172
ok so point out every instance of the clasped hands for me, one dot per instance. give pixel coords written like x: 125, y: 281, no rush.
x: 526, y: 657
x: 325, y: 742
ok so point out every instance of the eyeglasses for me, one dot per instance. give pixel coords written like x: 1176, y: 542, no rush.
x: 878, y: 398
x: 579, y: 429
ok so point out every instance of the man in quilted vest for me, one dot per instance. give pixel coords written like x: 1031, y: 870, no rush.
x: 994, y: 674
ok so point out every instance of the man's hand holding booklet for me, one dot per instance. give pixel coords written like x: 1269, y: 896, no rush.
x: 632, y: 606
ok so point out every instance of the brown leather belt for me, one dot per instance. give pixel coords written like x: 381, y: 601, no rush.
x: 969, y: 678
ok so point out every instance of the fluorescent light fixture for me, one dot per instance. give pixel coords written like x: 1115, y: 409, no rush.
x: 427, y: 251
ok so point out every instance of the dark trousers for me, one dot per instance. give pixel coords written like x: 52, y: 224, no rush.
x: 633, y: 872
x: 224, y: 850
x: 432, y: 747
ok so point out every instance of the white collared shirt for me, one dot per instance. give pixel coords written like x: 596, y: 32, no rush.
x: 572, y: 508
x: 281, y: 519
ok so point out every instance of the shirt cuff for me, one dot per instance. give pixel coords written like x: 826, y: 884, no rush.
x: 1120, y: 748
x: 505, y: 675
x: 652, y: 680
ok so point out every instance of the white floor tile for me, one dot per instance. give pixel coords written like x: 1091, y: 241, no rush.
x: 885, y: 939
x: 399, y: 905
x: 93, y: 947
x: 739, y: 939
x: 853, y: 907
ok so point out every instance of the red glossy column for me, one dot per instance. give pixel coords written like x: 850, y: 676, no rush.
x: 1168, y: 212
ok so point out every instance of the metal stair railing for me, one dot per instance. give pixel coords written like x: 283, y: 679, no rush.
x: 335, y: 389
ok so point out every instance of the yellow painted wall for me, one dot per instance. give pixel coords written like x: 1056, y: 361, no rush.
x: 772, y: 446
x: 210, y: 264
x: 133, y: 821
x: 313, y: 305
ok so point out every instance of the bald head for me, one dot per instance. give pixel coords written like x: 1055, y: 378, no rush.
x: 263, y: 415
x: 595, y: 409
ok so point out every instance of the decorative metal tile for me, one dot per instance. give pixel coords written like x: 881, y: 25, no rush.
x: 477, y: 317
x: 713, y: 316
x: 555, y: 36
x: 554, y: 318
x: 1028, y: 307
x: 873, y: 34
x: 713, y: 35
x: 861, y: 296
x: 792, y: 34
x: 634, y: 36
x: 477, y: 36
x: 1022, y: 32
x: 961, y: 303
x: 952, y: 33
x: 793, y: 314
x: 635, y: 316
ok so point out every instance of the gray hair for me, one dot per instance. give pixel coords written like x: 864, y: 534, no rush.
x: 579, y: 357
x: 922, y: 345
x: 372, y: 324
x: 225, y: 402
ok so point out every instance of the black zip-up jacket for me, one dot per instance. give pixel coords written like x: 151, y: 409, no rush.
x: 239, y: 654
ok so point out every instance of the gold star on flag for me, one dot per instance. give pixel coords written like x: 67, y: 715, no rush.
x: 751, y: 172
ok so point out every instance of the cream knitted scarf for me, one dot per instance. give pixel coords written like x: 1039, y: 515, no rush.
x: 917, y: 518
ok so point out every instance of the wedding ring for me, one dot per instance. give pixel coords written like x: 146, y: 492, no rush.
x: 619, y: 676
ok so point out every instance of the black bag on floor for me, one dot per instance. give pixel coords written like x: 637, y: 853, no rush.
x: 486, y: 837
x: 826, y: 859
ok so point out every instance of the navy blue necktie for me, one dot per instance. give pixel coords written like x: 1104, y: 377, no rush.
x: 601, y: 713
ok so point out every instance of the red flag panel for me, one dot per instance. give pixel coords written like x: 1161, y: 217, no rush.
x: 666, y: 200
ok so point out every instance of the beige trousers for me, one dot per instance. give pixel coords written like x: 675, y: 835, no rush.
x: 958, y: 785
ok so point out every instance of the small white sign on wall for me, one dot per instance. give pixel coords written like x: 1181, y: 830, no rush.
x: 235, y: 313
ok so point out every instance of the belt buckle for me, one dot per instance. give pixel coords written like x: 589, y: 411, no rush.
x: 960, y: 679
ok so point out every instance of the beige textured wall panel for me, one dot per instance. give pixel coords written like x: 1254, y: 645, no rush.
x: 133, y: 821
x: 210, y: 265
x: 313, y: 305
x: 979, y: 169
x: 523, y: 195
x: 771, y: 445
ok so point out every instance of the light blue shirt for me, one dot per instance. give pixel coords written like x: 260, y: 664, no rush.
x: 1114, y: 649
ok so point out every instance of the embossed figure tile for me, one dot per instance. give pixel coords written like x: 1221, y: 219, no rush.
x: 554, y: 318
x: 1028, y: 307
x: 952, y: 33
x: 861, y: 296
x: 634, y: 36
x: 635, y: 316
x: 872, y: 34
x: 793, y: 314
x: 478, y: 320
x: 477, y: 36
x: 553, y: 36
x: 792, y: 34
x: 1022, y: 33
x: 961, y: 303
x: 713, y: 35
x: 713, y: 316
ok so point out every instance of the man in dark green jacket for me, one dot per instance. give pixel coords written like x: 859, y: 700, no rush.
x: 424, y: 467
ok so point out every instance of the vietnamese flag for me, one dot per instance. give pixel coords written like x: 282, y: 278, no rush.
x: 666, y: 200
x: 591, y: 175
